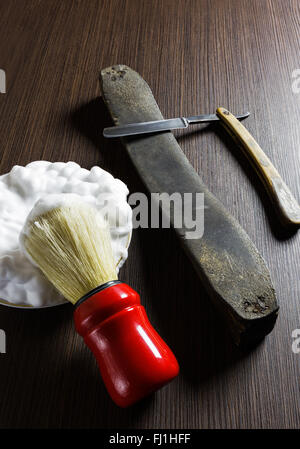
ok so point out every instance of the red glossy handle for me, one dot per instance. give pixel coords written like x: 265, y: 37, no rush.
x: 133, y: 359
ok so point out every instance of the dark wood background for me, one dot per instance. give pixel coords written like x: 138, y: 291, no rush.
x: 196, y: 55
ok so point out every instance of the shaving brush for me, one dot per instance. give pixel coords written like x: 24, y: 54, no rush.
x: 71, y: 245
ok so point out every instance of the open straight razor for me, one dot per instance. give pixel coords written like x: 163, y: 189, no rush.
x: 133, y: 129
x: 232, y: 270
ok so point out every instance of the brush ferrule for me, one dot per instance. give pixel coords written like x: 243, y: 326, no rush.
x: 96, y: 290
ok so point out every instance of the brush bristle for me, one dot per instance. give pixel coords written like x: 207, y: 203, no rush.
x: 72, y: 246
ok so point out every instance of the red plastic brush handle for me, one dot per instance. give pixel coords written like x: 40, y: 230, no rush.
x: 133, y: 359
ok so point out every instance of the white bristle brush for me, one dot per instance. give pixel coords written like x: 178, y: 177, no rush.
x: 72, y: 246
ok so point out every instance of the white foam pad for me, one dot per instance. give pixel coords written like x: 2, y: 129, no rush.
x: 21, y: 283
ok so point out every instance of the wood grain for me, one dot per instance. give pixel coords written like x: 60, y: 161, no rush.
x: 196, y: 55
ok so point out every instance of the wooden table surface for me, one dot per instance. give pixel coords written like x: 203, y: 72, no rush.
x: 196, y: 55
